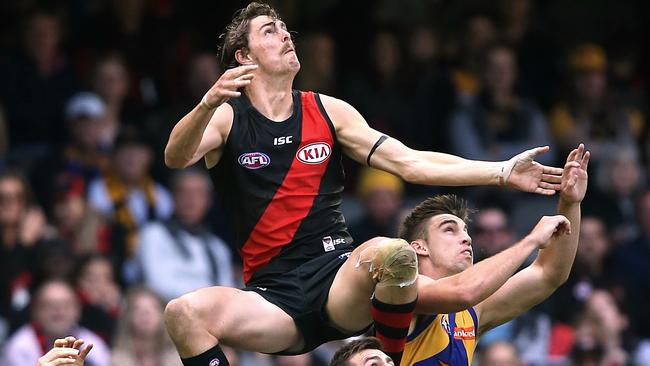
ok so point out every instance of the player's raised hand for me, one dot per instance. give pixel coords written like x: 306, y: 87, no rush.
x: 524, y: 173
x: 227, y: 86
x: 549, y: 227
x: 574, y: 177
x: 66, y: 352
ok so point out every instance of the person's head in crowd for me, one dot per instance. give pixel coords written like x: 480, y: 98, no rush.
x: 85, y: 114
x: 516, y: 14
x: 364, y: 351
x: 298, y: 360
x: 381, y: 193
x: 132, y: 157
x: 643, y: 212
x: 491, y: 231
x: 69, y: 202
x: 55, y: 309
x: 203, y: 70
x: 42, y: 37
x: 621, y: 171
x: 192, y: 192
x: 480, y: 32
x: 587, y: 353
x: 386, y: 56
x: 588, y: 65
x: 15, y: 198
x: 318, y: 62
x: 500, y: 354
x: 593, y: 246
x: 602, y: 323
x: 96, y: 281
x: 110, y: 79
x: 141, y: 321
x: 500, y: 73
x: 424, y: 45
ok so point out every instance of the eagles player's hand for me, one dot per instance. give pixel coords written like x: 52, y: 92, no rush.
x: 228, y: 85
x: 66, y: 352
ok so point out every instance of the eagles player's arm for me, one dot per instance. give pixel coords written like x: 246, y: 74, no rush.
x: 365, y: 145
x: 552, y: 267
x: 203, y: 131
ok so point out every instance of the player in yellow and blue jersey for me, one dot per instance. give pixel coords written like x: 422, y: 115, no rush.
x: 437, y: 231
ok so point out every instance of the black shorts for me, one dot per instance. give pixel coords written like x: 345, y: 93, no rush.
x: 302, y: 294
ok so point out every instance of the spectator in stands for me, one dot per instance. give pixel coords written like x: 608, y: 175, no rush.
x: 492, y: 232
x: 99, y: 294
x: 631, y: 266
x: 500, y: 354
x: 381, y: 193
x: 587, y: 114
x: 87, y: 153
x: 22, y: 227
x: 180, y: 255
x: 111, y: 81
x: 127, y: 193
x: 619, y: 179
x: 36, y: 82
x: 141, y: 338
x: 318, y: 64
x: 54, y: 314
x: 498, y: 123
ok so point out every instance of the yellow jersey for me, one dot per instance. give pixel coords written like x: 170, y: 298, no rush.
x: 442, y: 340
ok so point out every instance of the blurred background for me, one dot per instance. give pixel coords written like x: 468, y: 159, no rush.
x: 96, y: 234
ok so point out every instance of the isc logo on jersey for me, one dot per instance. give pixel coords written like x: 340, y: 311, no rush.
x: 314, y: 153
x: 254, y: 160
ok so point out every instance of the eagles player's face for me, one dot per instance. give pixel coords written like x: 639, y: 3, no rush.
x: 450, y: 246
x: 270, y: 46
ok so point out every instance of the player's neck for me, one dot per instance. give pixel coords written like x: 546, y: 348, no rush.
x: 272, y: 97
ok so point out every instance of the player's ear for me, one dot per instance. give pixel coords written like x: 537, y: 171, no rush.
x: 243, y: 57
x: 420, y: 248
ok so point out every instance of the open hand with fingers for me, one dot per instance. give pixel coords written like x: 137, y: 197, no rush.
x: 525, y: 174
x: 574, y: 177
x: 66, y: 352
x: 227, y: 86
x: 548, y: 228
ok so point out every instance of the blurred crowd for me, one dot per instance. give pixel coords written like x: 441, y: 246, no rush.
x: 96, y: 234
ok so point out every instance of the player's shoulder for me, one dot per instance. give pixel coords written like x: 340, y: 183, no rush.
x: 341, y: 112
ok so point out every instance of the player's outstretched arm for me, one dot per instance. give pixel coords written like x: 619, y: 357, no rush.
x: 475, y: 284
x: 204, y: 129
x: 66, y: 352
x: 552, y: 267
x: 433, y: 168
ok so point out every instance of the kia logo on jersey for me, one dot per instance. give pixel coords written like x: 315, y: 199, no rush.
x: 254, y: 160
x: 314, y: 153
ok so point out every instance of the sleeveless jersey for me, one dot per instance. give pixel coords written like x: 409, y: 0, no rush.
x: 443, y: 340
x: 282, y: 182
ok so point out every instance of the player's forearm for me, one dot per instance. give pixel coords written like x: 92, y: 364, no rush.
x: 434, y: 168
x: 556, y: 260
x: 476, y: 283
x: 186, y: 136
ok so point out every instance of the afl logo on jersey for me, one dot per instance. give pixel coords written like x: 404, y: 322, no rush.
x: 314, y: 153
x: 254, y: 160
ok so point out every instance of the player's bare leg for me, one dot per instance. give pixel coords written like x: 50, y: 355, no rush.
x: 378, y: 281
x: 200, y: 320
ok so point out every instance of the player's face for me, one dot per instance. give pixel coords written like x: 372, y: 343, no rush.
x: 450, y: 246
x: 371, y: 357
x: 271, y: 48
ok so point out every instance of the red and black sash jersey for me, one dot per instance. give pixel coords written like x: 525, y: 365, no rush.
x: 282, y: 182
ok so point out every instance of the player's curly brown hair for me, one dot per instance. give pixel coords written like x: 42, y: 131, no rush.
x: 236, y: 35
x: 414, y: 225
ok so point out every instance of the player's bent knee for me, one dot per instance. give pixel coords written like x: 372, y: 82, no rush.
x: 178, y: 313
x: 391, y: 262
